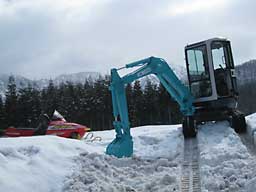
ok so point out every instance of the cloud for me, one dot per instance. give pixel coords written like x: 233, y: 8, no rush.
x: 45, y: 38
x: 193, y: 6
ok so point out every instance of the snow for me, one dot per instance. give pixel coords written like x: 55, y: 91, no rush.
x: 154, y: 166
x: 36, y: 163
x: 251, y: 126
x: 226, y: 164
x: 50, y: 163
x: 97, y: 173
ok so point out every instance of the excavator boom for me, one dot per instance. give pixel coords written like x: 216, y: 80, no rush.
x: 122, y: 145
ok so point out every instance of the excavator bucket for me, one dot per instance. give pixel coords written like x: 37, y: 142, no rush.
x: 121, y: 146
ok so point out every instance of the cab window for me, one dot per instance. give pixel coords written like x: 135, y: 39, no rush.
x: 199, y: 76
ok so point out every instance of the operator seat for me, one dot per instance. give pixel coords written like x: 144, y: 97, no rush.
x: 221, y: 82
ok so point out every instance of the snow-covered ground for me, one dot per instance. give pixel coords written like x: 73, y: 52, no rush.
x: 50, y: 163
x: 154, y: 166
x: 226, y: 165
x: 36, y: 163
x: 251, y: 126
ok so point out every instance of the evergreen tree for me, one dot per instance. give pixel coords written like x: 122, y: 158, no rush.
x: 49, y: 99
x: 87, y: 103
x: 80, y: 100
x: 169, y: 109
x: 28, y: 106
x: 130, y: 103
x: 2, y: 115
x: 247, y: 104
x: 70, y: 101
x: 100, y: 91
x: 11, y: 103
x: 61, y: 102
x: 107, y: 103
x: 150, y: 101
x: 35, y: 106
x: 137, y: 95
x: 24, y: 106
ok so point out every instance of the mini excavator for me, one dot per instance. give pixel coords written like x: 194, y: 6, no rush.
x: 212, y: 94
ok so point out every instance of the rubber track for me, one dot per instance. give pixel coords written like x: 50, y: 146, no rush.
x: 190, y: 178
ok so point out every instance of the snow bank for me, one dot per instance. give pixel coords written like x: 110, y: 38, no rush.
x: 36, y: 163
x: 50, y: 163
x: 225, y: 162
x: 251, y: 126
x: 154, y: 166
x: 102, y: 173
x: 149, y: 141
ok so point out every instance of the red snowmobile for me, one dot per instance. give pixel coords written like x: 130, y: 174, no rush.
x: 56, y: 126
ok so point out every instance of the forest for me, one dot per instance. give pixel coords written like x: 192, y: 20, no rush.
x: 90, y: 103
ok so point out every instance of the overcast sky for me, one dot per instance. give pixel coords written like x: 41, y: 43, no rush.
x: 45, y: 38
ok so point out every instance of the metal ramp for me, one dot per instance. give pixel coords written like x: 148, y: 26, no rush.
x: 190, y: 174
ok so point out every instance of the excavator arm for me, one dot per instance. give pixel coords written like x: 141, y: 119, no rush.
x: 122, y: 145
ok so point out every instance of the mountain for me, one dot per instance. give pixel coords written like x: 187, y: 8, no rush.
x: 20, y: 82
x: 73, y: 77
x: 246, y: 72
x: 180, y: 71
x: 42, y: 83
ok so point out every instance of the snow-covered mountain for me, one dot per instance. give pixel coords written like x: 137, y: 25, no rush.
x: 75, y: 78
x: 20, y: 82
x: 245, y: 72
x: 41, y: 83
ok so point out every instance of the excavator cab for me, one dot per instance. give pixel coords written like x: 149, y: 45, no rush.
x: 212, y: 82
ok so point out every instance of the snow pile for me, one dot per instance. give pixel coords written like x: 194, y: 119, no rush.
x: 158, y: 141
x: 50, y: 163
x: 251, y: 126
x: 225, y: 162
x: 99, y: 173
x: 36, y: 163
x: 251, y: 121
x: 154, y: 166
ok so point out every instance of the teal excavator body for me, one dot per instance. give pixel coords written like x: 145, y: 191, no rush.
x: 122, y: 145
x: 212, y: 94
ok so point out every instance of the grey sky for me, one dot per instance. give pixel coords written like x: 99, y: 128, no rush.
x: 45, y: 38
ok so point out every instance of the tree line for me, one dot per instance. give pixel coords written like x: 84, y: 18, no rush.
x: 247, y: 97
x: 89, y: 104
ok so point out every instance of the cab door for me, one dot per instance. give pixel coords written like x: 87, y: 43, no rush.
x: 224, y: 73
x: 199, y: 76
